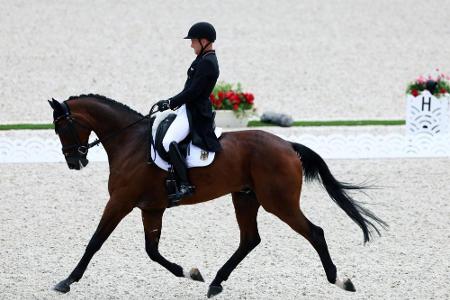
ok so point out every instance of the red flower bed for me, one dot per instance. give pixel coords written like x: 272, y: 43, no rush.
x: 226, y: 97
x: 436, y: 86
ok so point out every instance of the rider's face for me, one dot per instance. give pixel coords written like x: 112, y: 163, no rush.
x: 195, y: 44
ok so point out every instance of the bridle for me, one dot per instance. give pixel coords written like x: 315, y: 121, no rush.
x: 80, y: 148
x: 70, y: 127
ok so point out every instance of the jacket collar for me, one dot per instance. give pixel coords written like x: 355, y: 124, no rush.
x: 206, y: 53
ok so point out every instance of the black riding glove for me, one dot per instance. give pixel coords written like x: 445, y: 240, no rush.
x: 163, y: 105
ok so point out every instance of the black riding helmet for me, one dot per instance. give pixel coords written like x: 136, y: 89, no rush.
x: 202, y: 30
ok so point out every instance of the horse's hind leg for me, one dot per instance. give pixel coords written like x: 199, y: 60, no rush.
x: 246, y: 207
x: 315, y: 235
x: 152, y: 227
x: 280, y: 195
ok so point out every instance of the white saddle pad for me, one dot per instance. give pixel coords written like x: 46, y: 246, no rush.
x: 196, y: 157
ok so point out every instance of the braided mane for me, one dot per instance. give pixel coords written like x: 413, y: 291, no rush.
x: 108, y: 101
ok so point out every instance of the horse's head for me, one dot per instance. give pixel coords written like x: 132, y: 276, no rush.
x: 74, y: 136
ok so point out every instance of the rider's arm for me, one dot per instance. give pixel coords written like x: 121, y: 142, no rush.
x: 202, y: 80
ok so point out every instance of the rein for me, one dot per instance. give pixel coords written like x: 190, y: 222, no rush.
x: 83, y: 149
x: 98, y: 141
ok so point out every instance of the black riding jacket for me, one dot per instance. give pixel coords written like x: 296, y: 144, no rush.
x: 201, y: 78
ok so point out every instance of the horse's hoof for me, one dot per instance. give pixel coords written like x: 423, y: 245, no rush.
x: 63, y: 286
x: 196, y: 275
x: 214, y: 290
x: 348, y: 286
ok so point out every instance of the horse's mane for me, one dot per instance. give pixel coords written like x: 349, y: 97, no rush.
x: 108, y: 101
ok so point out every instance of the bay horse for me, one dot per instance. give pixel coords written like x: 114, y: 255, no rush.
x: 245, y: 168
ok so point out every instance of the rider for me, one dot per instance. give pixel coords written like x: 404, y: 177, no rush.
x: 192, y: 105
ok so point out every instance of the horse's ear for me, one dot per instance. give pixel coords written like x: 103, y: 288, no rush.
x: 51, y: 104
x: 56, y: 105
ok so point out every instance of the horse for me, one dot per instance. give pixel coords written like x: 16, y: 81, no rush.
x: 256, y: 167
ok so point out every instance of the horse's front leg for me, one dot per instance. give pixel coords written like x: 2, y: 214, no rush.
x: 152, y: 227
x: 114, y: 212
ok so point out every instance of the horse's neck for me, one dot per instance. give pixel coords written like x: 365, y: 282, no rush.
x: 108, y: 123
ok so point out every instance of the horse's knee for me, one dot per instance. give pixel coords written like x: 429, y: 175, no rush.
x: 94, y: 244
x: 249, y: 244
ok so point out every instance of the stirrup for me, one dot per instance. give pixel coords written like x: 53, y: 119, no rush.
x: 182, y: 192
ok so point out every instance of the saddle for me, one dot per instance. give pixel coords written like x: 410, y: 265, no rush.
x: 193, y: 155
x: 158, y: 126
x: 161, y: 131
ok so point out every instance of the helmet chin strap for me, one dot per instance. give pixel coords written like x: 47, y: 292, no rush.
x: 203, y: 47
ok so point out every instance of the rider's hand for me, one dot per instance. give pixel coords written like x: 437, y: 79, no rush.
x: 163, y: 105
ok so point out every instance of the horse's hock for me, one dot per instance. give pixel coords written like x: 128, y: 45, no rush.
x: 427, y: 115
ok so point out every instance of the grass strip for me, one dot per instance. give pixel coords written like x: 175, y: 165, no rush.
x: 25, y: 126
x: 250, y: 124
x: 335, y: 123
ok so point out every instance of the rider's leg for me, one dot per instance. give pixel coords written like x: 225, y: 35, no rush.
x: 178, y: 163
x: 177, y: 132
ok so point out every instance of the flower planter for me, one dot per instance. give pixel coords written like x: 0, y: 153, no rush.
x: 228, y: 119
x: 232, y: 106
x: 427, y: 114
x: 427, y: 105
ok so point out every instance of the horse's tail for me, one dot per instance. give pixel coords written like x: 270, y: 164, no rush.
x: 313, y: 166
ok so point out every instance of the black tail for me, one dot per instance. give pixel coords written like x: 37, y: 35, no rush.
x: 313, y: 166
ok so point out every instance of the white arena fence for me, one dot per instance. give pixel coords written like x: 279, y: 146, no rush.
x: 427, y: 134
x: 335, y: 146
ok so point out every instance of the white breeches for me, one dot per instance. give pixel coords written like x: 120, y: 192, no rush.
x: 178, y: 130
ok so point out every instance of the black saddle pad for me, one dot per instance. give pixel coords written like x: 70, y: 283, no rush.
x: 159, y: 136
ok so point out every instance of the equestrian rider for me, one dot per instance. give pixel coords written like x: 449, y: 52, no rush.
x: 192, y: 105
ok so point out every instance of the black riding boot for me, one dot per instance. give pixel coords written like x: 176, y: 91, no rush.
x: 185, y: 189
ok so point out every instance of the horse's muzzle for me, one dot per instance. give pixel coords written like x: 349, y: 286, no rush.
x: 76, y: 162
